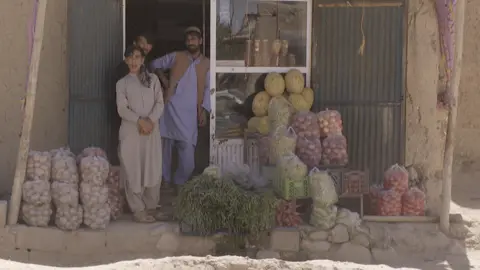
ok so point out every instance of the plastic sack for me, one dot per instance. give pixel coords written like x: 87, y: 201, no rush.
x: 305, y: 124
x: 65, y: 194
x: 291, y: 169
x: 324, y: 218
x: 329, y: 122
x: 374, y: 193
x: 64, y: 167
x: 322, y: 188
x: 309, y: 150
x: 116, y: 197
x: 283, y: 142
x: 36, y: 215
x: 396, y: 178
x: 94, y: 169
x: 97, y: 217
x: 91, y: 151
x: 334, y: 150
x: 92, y: 195
x: 62, y: 151
x: 36, y: 192
x: 212, y: 170
x: 39, y: 165
x: 244, y: 177
x: 413, y: 203
x: 348, y: 218
x: 279, y: 112
x: 389, y: 203
x: 68, y: 218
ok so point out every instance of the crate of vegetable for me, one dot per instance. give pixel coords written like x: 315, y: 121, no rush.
x: 291, y: 179
x: 355, y: 183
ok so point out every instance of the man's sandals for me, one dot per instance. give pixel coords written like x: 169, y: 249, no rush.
x: 143, y: 217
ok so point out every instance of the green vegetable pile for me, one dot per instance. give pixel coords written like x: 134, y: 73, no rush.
x: 210, y: 204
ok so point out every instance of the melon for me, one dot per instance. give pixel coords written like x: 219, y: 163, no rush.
x: 260, y: 104
x: 258, y: 124
x: 294, y: 81
x: 274, y: 84
x: 299, y: 102
x: 308, y: 95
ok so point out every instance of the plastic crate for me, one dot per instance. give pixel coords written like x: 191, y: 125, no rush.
x: 355, y: 183
x: 290, y: 190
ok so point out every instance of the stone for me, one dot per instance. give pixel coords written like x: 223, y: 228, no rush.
x: 339, y: 234
x: 285, y: 240
x: 3, y: 213
x: 315, y: 246
x: 361, y: 239
x: 164, y: 228
x: 352, y: 253
x: 7, y: 238
x: 37, y: 238
x: 168, y: 242
x: 348, y: 218
x: 196, y: 245
x: 319, y: 235
x: 386, y: 256
x: 85, y: 242
x: 456, y: 248
x: 267, y: 254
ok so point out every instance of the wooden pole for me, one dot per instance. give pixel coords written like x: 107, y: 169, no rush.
x: 452, y: 118
x: 24, y: 146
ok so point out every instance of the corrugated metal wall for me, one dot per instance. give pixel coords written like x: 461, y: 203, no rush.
x: 95, y: 39
x: 368, y: 90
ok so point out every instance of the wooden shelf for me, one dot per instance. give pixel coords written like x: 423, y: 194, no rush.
x: 233, y: 69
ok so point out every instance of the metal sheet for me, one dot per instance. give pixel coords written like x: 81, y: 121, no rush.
x: 368, y: 90
x: 95, y: 48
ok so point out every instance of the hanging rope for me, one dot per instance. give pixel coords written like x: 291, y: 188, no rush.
x: 361, y: 49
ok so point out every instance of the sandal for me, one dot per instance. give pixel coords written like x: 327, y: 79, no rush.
x: 143, y: 217
x: 159, y: 216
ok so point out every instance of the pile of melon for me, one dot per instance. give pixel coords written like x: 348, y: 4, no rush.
x: 291, y: 87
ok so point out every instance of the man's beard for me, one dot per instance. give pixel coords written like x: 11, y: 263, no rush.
x: 193, y: 49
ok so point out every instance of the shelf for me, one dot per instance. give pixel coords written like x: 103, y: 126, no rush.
x: 223, y: 69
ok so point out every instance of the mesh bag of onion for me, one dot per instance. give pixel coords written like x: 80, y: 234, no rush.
x: 305, y: 124
x: 334, y: 150
x: 389, y: 203
x: 330, y: 122
x: 413, y: 203
x: 396, y: 178
x: 309, y: 150
x: 116, y: 197
x: 91, y: 151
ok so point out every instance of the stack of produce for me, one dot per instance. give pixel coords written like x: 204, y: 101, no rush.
x: 330, y: 122
x: 324, y: 196
x: 68, y: 212
x: 300, y: 97
x: 309, y: 146
x: 413, y: 202
x: 334, y: 150
x: 94, y: 172
x: 36, y: 196
x: 116, y: 197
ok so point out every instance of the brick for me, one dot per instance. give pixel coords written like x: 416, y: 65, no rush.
x: 127, y: 236
x: 3, y: 213
x: 43, y: 258
x: 36, y: 238
x: 76, y: 260
x: 285, y: 240
x: 7, y: 238
x: 85, y: 241
x: 16, y: 255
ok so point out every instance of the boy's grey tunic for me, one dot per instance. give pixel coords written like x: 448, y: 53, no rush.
x: 140, y: 155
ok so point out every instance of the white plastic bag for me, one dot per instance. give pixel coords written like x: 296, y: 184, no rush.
x: 323, y: 218
x: 291, y: 168
x: 283, y: 141
x: 322, y: 188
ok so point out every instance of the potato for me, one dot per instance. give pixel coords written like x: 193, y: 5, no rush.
x: 92, y: 195
x: 94, y: 169
x: 65, y: 194
x: 64, y: 167
x: 36, y: 215
x: 97, y: 217
x: 68, y: 218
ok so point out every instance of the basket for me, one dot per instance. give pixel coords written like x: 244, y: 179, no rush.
x: 355, y: 183
x: 289, y: 190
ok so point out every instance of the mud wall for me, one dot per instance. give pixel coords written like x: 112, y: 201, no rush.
x: 50, y: 121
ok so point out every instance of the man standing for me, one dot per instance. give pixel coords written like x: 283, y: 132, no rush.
x: 187, y: 103
x: 143, y: 41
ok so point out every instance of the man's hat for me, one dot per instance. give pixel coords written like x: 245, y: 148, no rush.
x: 193, y: 29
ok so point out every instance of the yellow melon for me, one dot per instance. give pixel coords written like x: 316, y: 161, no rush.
x: 294, y: 81
x: 274, y: 84
x: 260, y: 104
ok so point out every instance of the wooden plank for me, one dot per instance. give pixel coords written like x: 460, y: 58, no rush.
x: 14, y: 208
x: 361, y: 3
x: 454, y: 218
x: 459, y: 18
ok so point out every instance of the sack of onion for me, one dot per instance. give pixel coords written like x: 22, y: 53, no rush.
x: 282, y: 142
x: 37, y: 215
x: 64, y: 167
x: 65, y: 194
x: 413, y: 203
x: 36, y: 192
x: 309, y: 150
x: 322, y: 188
x: 330, y: 122
x: 305, y: 124
x: 39, y: 165
x: 96, y: 217
x: 116, y: 198
x: 92, y: 195
x: 94, y: 169
x: 68, y: 218
x: 324, y: 217
x: 334, y: 150
x: 279, y: 113
x: 62, y: 151
x: 389, y: 203
x: 91, y: 151
x: 396, y: 178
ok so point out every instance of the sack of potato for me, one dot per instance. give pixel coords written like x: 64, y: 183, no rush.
x: 68, y: 218
x: 334, y: 151
x: 36, y: 192
x: 64, y: 167
x: 65, y: 194
x: 92, y: 195
x: 39, y: 166
x: 94, y: 169
x: 116, y: 197
x: 36, y: 215
x: 330, y: 122
x: 97, y: 217
x: 91, y: 151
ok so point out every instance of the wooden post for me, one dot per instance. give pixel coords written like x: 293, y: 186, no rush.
x: 24, y: 146
x: 452, y: 118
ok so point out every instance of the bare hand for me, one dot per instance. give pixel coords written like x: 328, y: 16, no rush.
x: 145, y: 126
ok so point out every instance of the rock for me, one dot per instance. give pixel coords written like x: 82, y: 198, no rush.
x: 164, y: 228
x: 385, y: 256
x: 339, y: 234
x: 456, y: 248
x: 348, y: 218
x: 319, y: 235
x: 362, y: 240
x: 380, y: 235
x: 352, y: 253
x: 267, y: 254
x: 168, y: 242
x: 315, y: 246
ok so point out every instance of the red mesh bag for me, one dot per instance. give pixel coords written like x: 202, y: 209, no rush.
x: 374, y: 193
x: 330, y: 122
x: 309, y: 151
x: 413, y: 203
x: 116, y: 197
x: 396, y: 178
x: 335, y: 150
x: 389, y: 203
x: 305, y: 124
